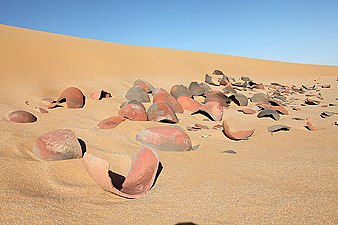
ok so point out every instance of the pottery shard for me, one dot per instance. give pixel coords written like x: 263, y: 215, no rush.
x: 236, y: 135
x: 111, y: 122
x: 217, y: 72
x: 131, y: 102
x: 276, y: 128
x: 327, y: 114
x: 73, y: 97
x: 57, y: 145
x: 98, y: 95
x: 135, y: 112
x: 195, y: 89
x: 217, y: 96
x: 21, y: 117
x: 164, y: 96
x: 144, y: 84
x: 311, y: 101
x: 137, y: 93
x: 180, y: 90
x: 136, y: 184
x: 239, y: 99
x: 269, y: 113
x: 310, y: 126
x: 188, y: 103
x: 166, y: 138
x: 247, y: 111
x: 208, y: 80
x: 260, y: 97
x: 161, y: 112
x: 213, y: 110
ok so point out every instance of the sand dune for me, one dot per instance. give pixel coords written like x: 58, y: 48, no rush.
x: 284, y: 178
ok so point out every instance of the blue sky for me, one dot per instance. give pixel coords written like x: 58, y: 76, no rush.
x: 303, y: 31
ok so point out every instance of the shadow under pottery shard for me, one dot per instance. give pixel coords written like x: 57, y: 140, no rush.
x: 136, y: 184
x: 161, y: 112
x: 137, y: 93
x: 237, y: 135
x: 57, y: 145
x: 165, y: 138
x: 111, y: 122
x: 212, y: 110
x: 21, y: 116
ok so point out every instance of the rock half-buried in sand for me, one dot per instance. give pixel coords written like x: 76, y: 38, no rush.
x: 136, y: 184
x: 212, y: 110
x: 237, y: 135
x: 57, y: 145
x: 276, y: 128
x: 161, y: 112
x: 21, y: 116
x: 137, y: 93
x: 188, y: 103
x: 166, y: 138
x: 269, y: 113
x: 111, y: 122
x: 135, y: 112
x: 73, y: 97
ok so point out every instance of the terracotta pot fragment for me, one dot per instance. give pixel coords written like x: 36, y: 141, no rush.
x: 136, y: 184
x: 165, y: 138
x: 239, y: 99
x: 312, y: 101
x: 111, y: 122
x: 135, y: 112
x: 137, y: 93
x: 180, y: 90
x: 237, y: 135
x: 217, y: 72
x: 212, y: 110
x: 247, y: 111
x: 164, y: 96
x: 73, y: 97
x: 268, y: 113
x: 98, y: 95
x: 57, y: 145
x: 217, y: 96
x: 144, y: 84
x: 276, y: 128
x: 21, y: 116
x: 161, y: 112
x: 188, y: 103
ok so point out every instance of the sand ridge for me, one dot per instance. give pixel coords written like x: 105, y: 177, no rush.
x: 284, y: 178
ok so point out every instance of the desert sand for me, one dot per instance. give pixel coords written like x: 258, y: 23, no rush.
x: 285, y: 178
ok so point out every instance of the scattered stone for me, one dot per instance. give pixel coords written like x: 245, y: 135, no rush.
x: 161, y: 112
x: 136, y: 184
x: 229, y: 152
x: 269, y: 113
x: 137, y: 93
x: 196, y: 90
x: 134, y: 112
x: 165, y: 138
x: 212, y: 110
x: 180, y: 90
x: 73, y: 97
x: 41, y: 110
x: 21, y: 116
x: 57, y: 145
x: 237, y: 135
x: 297, y: 118
x: 208, y: 80
x: 111, y: 122
x: 276, y: 128
x: 98, y: 95
x: 327, y: 114
x: 145, y: 85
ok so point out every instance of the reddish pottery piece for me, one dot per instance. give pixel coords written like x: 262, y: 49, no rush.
x: 144, y: 84
x: 188, y: 103
x: 311, y: 101
x: 217, y: 72
x: 166, y: 138
x: 161, y: 112
x: 213, y: 110
x: 57, y: 145
x: 73, y: 97
x: 260, y: 97
x: 196, y: 90
x: 310, y: 126
x: 111, y: 122
x: 163, y: 96
x: 135, y: 112
x: 237, y: 135
x: 217, y: 96
x: 247, y: 111
x: 136, y: 184
x: 180, y: 90
x: 21, y: 116
x: 98, y: 95
x: 41, y: 110
x: 278, y: 127
x: 137, y: 93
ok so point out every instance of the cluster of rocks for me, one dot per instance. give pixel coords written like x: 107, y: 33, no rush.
x: 270, y: 101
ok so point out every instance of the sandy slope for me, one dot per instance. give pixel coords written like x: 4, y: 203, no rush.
x: 283, y: 178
